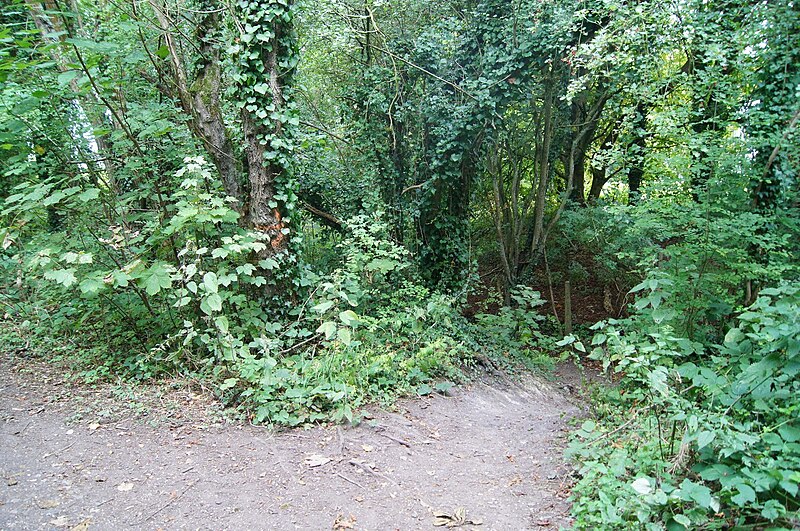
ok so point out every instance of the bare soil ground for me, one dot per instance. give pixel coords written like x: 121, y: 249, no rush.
x: 489, y: 457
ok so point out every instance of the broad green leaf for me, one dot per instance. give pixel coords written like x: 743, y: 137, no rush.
x: 598, y: 339
x: 246, y: 269
x: 745, y: 496
x: 70, y: 257
x: 789, y: 433
x: 295, y: 392
x: 568, y: 340
x: 65, y: 277
x: 662, y: 314
x: 773, y: 509
x: 328, y: 328
x: 64, y: 78
x: 157, y: 277
x: 228, y: 383
x: 210, y: 282
x: 343, y: 335
x: 383, y: 265
x: 269, y: 264
x: 642, y: 486
x: 683, y: 520
x: 704, y: 438
x: 120, y: 278
x: 443, y: 387
x: 700, y: 494
x: 322, y: 307
x: 213, y: 303
x: 90, y: 286
x: 349, y: 318
x: 162, y: 52
x: 89, y: 195
x: 658, y: 380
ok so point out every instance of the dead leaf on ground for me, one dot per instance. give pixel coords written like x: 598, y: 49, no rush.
x: 315, y: 460
x: 457, y: 519
x: 344, y: 523
x: 47, y: 504
x: 61, y: 521
x: 367, y: 447
x: 125, y: 487
x: 94, y: 426
x: 83, y: 526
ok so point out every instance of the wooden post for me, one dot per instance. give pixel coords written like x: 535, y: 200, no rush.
x: 567, y: 308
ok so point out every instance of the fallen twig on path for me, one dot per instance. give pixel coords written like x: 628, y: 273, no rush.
x: 67, y: 447
x: 366, y: 468
x: 347, y: 479
x: 395, y: 439
x: 20, y: 432
x: 170, y: 502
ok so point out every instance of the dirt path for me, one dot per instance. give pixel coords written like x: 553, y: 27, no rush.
x: 110, y: 458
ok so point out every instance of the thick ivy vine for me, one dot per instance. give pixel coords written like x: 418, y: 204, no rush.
x: 266, y: 58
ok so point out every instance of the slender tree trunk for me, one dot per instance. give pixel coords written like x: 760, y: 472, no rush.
x: 579, y: 117
x: 637, y: 147
x: 543, y: 171
x: 201, y: 99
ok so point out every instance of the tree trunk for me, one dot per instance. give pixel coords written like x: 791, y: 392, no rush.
x: 543, y: 167
x: 267, y: 58
x: 637, y: 147
x: 201, y: 99
x: 579, y: 117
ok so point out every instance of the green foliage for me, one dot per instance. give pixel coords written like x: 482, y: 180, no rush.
x: 267, y: 41
x: 386, y: 138
x: 516, y: 330
x: 710, y: 438
x: 373, y: 332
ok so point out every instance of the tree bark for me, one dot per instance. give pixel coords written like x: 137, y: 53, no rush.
x: 636, y: 171
x: 201, y: 99
x: 267, y: 59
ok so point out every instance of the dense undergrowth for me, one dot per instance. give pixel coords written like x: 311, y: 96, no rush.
x: 701, y: 429
x: 177, y: 297
x: 288, y: 200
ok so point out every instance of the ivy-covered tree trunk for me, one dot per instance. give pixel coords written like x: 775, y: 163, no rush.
x: 442, y: 222
x: 637, y: 148
x: 267, y: 58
